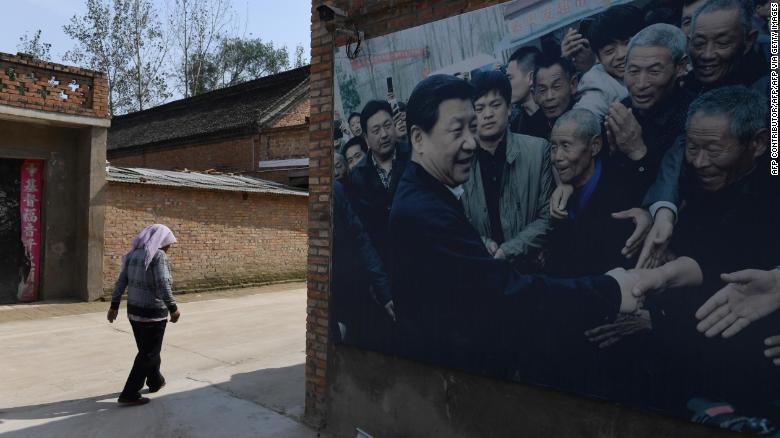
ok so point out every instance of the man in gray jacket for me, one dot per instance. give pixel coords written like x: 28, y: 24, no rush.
x: 507, y: 197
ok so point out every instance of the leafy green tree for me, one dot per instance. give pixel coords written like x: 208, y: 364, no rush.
x: 98, y: 34
x: 123, y: 39
x: 238, y: 60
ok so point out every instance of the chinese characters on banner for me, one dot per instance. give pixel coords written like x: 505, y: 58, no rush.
x: 30, y: 206
x: 531, y: 19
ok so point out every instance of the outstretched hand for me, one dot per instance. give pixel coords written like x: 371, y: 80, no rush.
x: 643, y: 222
x: 657, y: 240
x: 749, y: 296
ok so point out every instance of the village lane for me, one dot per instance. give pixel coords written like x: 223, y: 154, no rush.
x: 234, y: 367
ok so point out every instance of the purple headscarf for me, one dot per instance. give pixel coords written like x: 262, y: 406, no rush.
x: 151, y: 239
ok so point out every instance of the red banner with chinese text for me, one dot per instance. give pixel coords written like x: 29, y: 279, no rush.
x: 30, y: 206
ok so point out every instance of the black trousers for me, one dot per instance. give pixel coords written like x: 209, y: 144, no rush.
x: 146, y: 367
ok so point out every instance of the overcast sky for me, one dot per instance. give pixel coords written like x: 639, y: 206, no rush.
x: 285, y: 22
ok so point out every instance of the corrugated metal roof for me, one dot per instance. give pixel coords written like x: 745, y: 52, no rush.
x: 234, y: 183
x: 295, y: 162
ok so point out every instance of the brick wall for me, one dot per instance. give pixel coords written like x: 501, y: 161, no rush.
x: 297, y: 115
x: 231, y: 155
x: 375, y: 18
x: 225, y: 238
x: 283, y: 143
x: 27, y: 83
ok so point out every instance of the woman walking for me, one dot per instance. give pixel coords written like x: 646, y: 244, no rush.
x: 146, y: 275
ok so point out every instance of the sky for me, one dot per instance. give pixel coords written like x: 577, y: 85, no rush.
x: 285, y: 22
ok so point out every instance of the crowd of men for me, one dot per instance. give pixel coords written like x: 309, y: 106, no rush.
x: 598, y: 216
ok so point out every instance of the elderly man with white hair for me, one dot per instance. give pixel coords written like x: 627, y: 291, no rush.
x: 590, y: 239
x: 729, y: 224
x: 721, y: 51
x: 642, y: 127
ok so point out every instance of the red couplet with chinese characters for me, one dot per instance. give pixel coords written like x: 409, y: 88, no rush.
x: 30, y: 205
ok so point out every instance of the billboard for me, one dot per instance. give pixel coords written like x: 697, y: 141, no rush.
x: 559, y: 193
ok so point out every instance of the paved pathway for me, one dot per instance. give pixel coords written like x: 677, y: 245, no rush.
x: 234, y: 366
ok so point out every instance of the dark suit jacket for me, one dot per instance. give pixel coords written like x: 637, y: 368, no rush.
x: 458, y: 306
x: 361, y: 285
x: 591, y: 243
x: 732, y: 229
x: 371, y: 201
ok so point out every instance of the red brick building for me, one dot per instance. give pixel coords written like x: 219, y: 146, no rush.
x: 260, y: 127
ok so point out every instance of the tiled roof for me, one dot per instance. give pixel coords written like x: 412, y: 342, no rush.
x: 227, y: 111
x: 208, y: 181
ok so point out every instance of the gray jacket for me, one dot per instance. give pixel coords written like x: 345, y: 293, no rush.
x: 597, y: 91
x: 149, y: 293
x: 524, y: 203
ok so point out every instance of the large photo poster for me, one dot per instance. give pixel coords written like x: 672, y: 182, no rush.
x: 571, y: 193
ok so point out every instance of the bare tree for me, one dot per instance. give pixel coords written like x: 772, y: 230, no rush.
x: 148, y: 51
x: 198, y: 26
x: 34, y: 46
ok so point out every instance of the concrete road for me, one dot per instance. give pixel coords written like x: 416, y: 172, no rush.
x: 234, y: 368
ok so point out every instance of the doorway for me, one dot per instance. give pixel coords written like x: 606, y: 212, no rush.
x: 12, y: 254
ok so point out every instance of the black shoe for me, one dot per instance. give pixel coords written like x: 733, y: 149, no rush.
x: 133, y: 401
x: 156, y: 388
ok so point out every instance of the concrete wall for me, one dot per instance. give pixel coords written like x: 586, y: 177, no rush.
x: 72, y: 229
x: 393, y: 397
x: 224, y: 238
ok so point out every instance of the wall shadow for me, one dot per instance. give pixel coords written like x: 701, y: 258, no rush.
x: 246, y: 405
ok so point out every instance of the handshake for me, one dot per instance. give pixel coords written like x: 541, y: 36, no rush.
x: 635, y: 283
x: 746, y: 296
